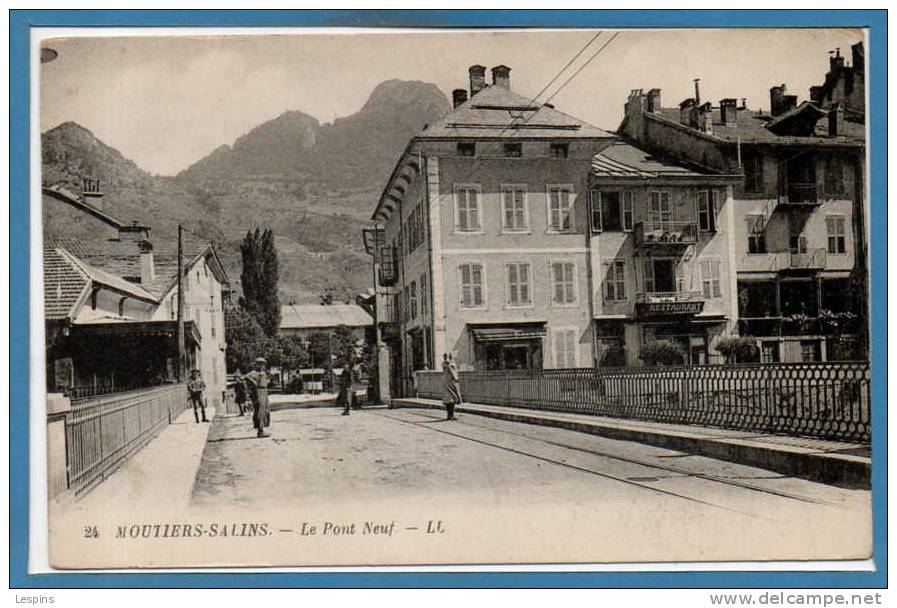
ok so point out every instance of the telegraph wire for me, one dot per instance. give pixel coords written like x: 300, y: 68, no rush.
x: 582, y: 67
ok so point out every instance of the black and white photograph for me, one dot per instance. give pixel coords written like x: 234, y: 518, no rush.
x: 421, y: 297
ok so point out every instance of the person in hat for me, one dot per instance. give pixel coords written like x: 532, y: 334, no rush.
x: 261, y: 415
x: 240, y: 392
x: 195, y: 386
x: 344, y: 397
x: 451, y: 395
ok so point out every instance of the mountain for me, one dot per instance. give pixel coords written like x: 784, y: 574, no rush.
x: 315, y: 185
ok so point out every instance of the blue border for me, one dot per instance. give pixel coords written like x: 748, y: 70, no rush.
x: 22, y: 20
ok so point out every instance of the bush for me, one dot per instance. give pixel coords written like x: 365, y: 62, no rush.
x: 738, y: 349
x: 662, y: 352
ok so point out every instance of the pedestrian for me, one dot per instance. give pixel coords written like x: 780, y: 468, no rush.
x: 344, y: 397
x: 452, y: 386
x: 240, y: 393
x: 195, y: 386
x: 261, y: 415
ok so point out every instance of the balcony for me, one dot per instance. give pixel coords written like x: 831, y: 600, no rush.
x: 665, y: 234
x: 799, y: 195
x: 810, y: 260
x: 388, y: 274
x: 668, y: 303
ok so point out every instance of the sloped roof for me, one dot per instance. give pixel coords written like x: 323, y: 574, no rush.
x: 304, y: 316
x: 98, y: 275
x: 752, y: 128
x: 64, y: 285
x: 499, y: 112
x: 622, y: 159
x: 60, y: 192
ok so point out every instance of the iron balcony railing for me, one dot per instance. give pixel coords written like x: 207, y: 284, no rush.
x: 388, y: 271
x: 799, y: 194
x: 812, y: 259
x: 664, y: 303
x: 825, y: 400
x: 650, y: 297
x: 668, y: 233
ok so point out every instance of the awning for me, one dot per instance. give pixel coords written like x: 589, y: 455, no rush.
x: 161, y: 327
x: 507, y: 331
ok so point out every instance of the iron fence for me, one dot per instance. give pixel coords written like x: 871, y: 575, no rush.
x: 825, y: 400
x: 104, y: 431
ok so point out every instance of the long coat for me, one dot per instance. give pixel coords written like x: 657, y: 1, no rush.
x: 451, y: 384
x: 258, y: 384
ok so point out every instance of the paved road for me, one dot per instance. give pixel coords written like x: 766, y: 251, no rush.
x: 316, y: 456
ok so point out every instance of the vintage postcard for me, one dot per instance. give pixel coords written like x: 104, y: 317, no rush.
x: 422, y: 297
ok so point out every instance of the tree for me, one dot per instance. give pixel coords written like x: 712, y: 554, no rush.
x: 260, y: 279
x: 345, y: 347
x: 738, y: 349
x: 662, y: 352
x: 245, y: 339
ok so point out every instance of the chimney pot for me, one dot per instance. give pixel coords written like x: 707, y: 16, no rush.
x: 654, y: 101
x: 501, y: 76
x: 477, y: 78
x: 459, y: 96
x: 697, y: 91
x: 147, y: 264
x: 835, y: 120
x: 728, y: 111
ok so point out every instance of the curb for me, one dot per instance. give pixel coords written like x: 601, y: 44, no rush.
x: 844, y: 470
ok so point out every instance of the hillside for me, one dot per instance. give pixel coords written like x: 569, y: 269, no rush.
x: 314, y: 185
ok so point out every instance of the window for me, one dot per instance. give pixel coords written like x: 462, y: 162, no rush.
x: 611, y: 211
x: 659, y: 208
x: 797, y: 243
x: 810, y: 350
x: 769, y: 352
x: 835, y: 228
x: 834, y: 176
x: 413, y: 299
x: 424, y: 294
x: 753, y: 174
x: 563, y: 276
x: 559, y: 150
x: 560, y: 213
x: 756, y: 233
x: 564, y: 348
x: 467, y: 149
x: 518, y: 284
x: 513, y: 150
x: 467, y: 209
x: 615, y: 281
x: 711, y: 286
x: 471, y: 279
x: 514, y: 218
x: 707, y: 205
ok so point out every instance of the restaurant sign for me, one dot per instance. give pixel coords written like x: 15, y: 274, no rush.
x: 655, y: 309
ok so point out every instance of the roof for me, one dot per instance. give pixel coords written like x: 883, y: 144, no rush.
x: 622, y: 159
x: 165, y: 260
x: 305, y: 316
x: 98, y: 275
x: 750, y: 127
x: 64, y: 285
x: 59, y: 192
x: 497, y: 111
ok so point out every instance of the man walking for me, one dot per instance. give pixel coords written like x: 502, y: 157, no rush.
x: 195, y: 386
x: 451, y: 395
x: 261, y: 415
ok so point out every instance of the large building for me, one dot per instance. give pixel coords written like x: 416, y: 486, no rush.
x: 514, y: 236
x: 800, y: 237
x: 111, y: 301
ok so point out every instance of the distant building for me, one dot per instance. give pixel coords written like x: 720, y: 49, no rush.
x: 305, y: 320
x: 799, y: 210
x: 111, y: 303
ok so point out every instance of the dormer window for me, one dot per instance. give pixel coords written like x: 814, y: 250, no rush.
x: 559, y: 150
x: 513, y: 150
x: 467, y: 148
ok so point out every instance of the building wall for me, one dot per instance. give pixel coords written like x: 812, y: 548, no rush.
x: 203, y: 305
x: 61, y: 219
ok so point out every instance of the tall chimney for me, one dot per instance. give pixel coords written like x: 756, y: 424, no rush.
x: 654, y: 101
x: 477, y: 78
x: 836, y: 62
x: 835, y: 120
x: 775, y: 99
x: 147, y: 265
x: 685, y: 112
x: 459, y: 96
x: 697, y: 91
x: 501, y: 76
x: 859, y: 58
x: 728, y: 111
x: 705, y: 118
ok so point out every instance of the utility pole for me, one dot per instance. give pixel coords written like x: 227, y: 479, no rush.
x: 182, y: 354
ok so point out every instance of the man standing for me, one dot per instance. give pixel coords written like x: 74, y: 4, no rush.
x: 345, y: 388
x: 240, y: 391
x: 451, y: 395
x: 261, y: 416
x: 195, y: 386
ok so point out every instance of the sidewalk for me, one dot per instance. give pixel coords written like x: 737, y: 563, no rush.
x: 834, y: 462
x: 165, y: 467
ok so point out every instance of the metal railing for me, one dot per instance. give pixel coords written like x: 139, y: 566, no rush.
x: 104, y: 431
x: 78, y: 393
x: 660, y: 232
x: 800, y: 194
x: 824, y: 400
x: 653, y: 297
x: 812, y: 259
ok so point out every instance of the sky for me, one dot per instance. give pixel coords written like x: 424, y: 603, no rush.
x: 166, y: 102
